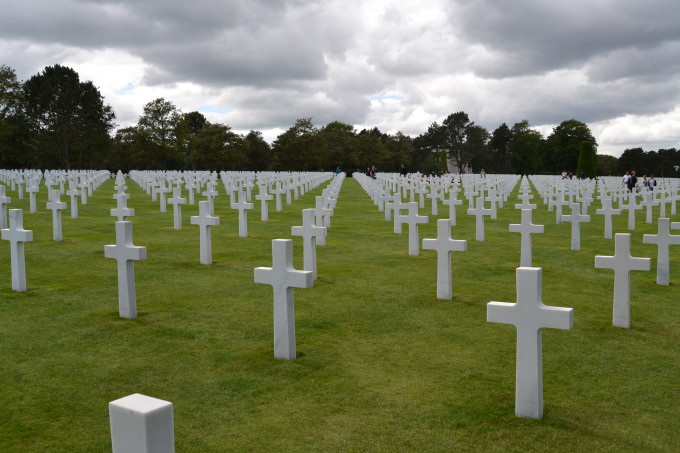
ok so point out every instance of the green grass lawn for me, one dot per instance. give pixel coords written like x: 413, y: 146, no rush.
x: 383, y: 365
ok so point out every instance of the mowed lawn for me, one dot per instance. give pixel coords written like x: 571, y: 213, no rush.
x: 383, y: 365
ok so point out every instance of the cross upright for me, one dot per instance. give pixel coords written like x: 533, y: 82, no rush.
x: 529, y: 315
x: 125, y: 253
x: 16, y: 235
x: 310, y: 233
x: 121, y: 211
x: 204, y: 220
x: 4, y: 201
x: 526, y: 229
x: 559, y: 202
x: 32, y: 189
x: 163, y: 192
x: 73, y: 192
x: 413, y: 220
x: 607, y: 211
x: 444, y: 245
x: 576, y: 218
x: 632, y: 206
x: 264, y: 197
x: 452, y: 202
x: 242, y: 206
x: 435, y: 195
x: 622, y: 263
x: 663, y: 240
x: 177, y: 201
x: 320, y: 215
x: 648, y: 202
x: 56, y: 206
x: 283, y: 278
x: 479, y: 212
x: 525, y: 204
x: 210, y: 193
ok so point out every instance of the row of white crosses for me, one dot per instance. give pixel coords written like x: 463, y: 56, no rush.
x: 283, y: 277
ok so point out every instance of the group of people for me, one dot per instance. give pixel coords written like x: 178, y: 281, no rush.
x: 630, y: 181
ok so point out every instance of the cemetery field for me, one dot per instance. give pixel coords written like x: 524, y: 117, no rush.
x: 382, y: 366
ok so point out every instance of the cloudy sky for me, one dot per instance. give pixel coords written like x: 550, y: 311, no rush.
x: 396, y: 65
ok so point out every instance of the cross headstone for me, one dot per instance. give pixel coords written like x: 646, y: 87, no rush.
x: 663, y: 240
x: 622, y: 263
x: 526, y: 229
x: 141, y: 424
x: 452, y: 202
x: 309, y: 233
x: 204, y: 220
x: 607, y: 211
x: 283, y: 278
x: 576, y: 218
x: 529, y: 315
x: 632, y: 206
x: 56, y: 206
x: 121, y: 211
x: 32, y: 190
x: 4, y: 201
x: 264, y: 197
x: 444, y: 245
x: 243, y: 206
x: 73, y: 192
x: 125, y: 253
x: 413, y: 220
x: 479, y: 212
x: 16, y: 235
x: 177, y: 201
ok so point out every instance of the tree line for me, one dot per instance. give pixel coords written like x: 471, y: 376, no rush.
x: 55, y: 120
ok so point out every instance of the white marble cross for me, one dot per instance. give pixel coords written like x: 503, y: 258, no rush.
x: 526, y: 229
x: 663, y: 240
x: 283, y: 278
x: 73, y: 192
x: 607, y: 211
x: 4, y: 201
x: 622, y: 263
x: 396, y: 207
x: 309, y: 233
x: 529, y: 315
x: 242, y: 206
x: 16, y: 235
x: 264, y: 197
x: 452, y: 202
x: 121, y: 211
x: 56, y: 205
x: 321, y: 216
x: 525, y: 197
x: 32, y: 190
x: 177, y: 201
x: 204, y: 220
x: 648, y: 202
x: 413, y: 220
x: 163, y: 191
x: 632, y: 206
x: 125, y: 253
x: 479, y: 212
x: 576, y: 218
x: 444, y: 245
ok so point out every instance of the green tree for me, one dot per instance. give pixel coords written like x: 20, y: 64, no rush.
x: 563, y: 145
x: 216, y: 147
x: 457, y: 126
x: 339, y: 142
x: 158, y: 128
x: 607, y: 165
x: 15, y: 149
x: 371, y: 150
x: 298, y: 148
x: 258, y: 151
x: 587, y: 161
x: 499, y: 145
x: 526, y: 149
x: 68, y: 118
x: 477, y: 148
x: 631, y: 160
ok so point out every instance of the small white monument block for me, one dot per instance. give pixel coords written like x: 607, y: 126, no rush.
x: 16, y: 235
x: 529, y: 316
x: 622, y: 263
x: 283, y: 278
x: 141, y: 424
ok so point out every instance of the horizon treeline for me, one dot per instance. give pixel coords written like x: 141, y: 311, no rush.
x: 55, y: 120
